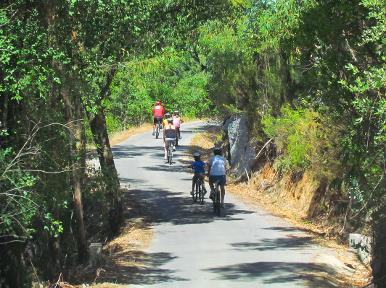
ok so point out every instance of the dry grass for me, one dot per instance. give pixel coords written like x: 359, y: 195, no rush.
x: 204, y: 142
x: 121, y: 136
x: 124, y: 256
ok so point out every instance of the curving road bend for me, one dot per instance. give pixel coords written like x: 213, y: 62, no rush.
x: 192, y: 248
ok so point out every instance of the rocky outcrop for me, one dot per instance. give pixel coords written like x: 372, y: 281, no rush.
x: 362, y: 245
x: 241, y: 151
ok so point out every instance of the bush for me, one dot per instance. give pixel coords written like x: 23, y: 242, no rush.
x: 305, y: 139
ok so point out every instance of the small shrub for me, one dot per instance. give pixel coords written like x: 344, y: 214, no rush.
x: 304, y: 139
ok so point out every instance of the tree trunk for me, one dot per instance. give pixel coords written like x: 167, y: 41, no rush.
x: 110, y: 174
x: 105, y: 154
x: 101, y: 139
x: 379, y: 245
x: 73, y: 115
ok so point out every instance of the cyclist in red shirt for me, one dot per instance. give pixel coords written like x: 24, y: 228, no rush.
x: 158, y: 113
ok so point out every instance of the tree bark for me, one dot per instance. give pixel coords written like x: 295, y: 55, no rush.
x: 106, y: 160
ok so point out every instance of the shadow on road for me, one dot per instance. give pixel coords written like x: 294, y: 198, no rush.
x: 277, y: 272
x: 144, y: 271
x: 177, y: 208
x: 132, y: 151
x: 286, y: 243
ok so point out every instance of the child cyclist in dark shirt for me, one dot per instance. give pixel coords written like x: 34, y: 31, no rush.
x: 199, y: 171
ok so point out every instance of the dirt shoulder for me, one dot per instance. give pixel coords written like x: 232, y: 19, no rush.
x: 121, y: 136
x: 351, y: 272
x: 123, y: 257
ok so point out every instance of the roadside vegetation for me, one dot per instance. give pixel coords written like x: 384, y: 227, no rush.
x: 309, y: 75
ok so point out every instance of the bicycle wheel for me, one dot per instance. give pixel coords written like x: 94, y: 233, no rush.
x: 195, y: 192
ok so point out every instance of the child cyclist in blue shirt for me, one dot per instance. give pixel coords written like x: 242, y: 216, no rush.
x: 199, y: 171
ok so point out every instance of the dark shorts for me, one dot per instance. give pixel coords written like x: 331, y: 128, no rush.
x: 157, y: 120
x: 221, y: 179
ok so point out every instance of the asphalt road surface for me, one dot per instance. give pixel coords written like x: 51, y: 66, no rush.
x: 193, y: 248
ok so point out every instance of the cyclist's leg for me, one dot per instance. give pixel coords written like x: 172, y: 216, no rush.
x: 193, y: 183
x: 202, y: 177
x: 168, y: 142
x: 211, y: 185
x: 165, y: 149
x: 154, y: 123
x: 222, y: 185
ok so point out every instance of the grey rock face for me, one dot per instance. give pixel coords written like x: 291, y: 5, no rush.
x: 242, y: 152
x: 362, y: 245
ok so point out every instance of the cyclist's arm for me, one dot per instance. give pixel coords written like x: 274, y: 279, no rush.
x: 209, y: 166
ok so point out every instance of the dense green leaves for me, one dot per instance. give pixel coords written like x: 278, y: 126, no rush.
x: 172, y: 77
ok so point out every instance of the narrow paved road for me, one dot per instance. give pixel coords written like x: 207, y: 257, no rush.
x: 192, y: 248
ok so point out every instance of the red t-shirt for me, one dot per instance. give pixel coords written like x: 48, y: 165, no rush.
x: 158, y: 111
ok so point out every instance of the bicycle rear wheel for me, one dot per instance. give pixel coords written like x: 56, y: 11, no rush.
x: 194, y: 196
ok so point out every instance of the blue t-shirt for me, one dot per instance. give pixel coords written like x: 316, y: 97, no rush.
x: 198, y: 167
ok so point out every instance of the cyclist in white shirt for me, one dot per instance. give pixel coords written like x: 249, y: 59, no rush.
x: 217, y: 172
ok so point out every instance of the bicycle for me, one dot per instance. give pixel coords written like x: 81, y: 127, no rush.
x: 198, y: 193
x: 217, y: 199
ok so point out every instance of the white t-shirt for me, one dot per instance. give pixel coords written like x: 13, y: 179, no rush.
x: 217, y: 166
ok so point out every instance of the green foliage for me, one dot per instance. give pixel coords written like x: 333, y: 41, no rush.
x: 305, y: 140
x: 173, y: 77
x: 22, y: 205
x: 326, y: 57
x: 227, y: 58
